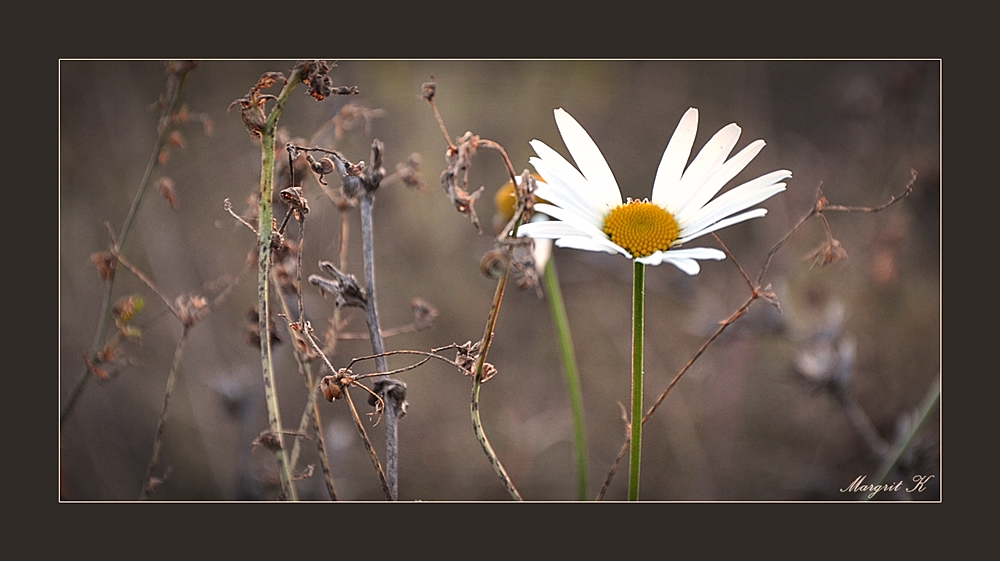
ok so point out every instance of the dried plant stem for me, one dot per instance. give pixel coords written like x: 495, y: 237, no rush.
x: 861, y: 422
x: 821, y: 205
x: 311, y: 419
x: 568, y: 356
x: 477, y: 382
x: 389, y: 495
x: 188, y: 319
x: 310, y: 414
x: 147, y: 484
x: 392, y: 414
x: 264, y: 228
x: 307, y: 332
x: 174, y: 86
x: 311, y: 411
x: 487, y: 340
x: 440, y: 121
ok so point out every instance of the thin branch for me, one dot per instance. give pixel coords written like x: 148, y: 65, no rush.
x: 175, y: 84
x: 188, y: 311
x: 307, y: 331
x: 141, y: 276
x: 149, y: 482
x: 310, y: 414
x: 428, y: 90
x: 893, y: 200
x: 389, y: 495
x: 525, y: 189
x: 821, y: 205
x: 393, y: 392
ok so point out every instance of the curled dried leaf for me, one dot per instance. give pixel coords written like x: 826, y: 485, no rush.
x: 126, y: 309
x: 829, y: 252
x: 342, y: 286
x: 252, y: 332
x: 252, y: 105
x: 176, y: 139
x: 424, y: 314
x: 105, y: 264
x: 428, y: 89
x: 268, y: 440
x: 165, y: 186
x: 316, y: 75
x: 294, y: 198
x: 190, y: 307
x: 493, y: 264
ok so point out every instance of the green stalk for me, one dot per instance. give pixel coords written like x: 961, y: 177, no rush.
x: 635, y: 438
x: 267, y: 138
x: 927, y: 406
x: 561, y: 323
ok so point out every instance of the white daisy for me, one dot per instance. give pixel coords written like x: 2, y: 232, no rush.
x: 590, y: 214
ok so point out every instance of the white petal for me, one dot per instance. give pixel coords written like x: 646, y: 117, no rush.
x: 708, y: 160
x: 653, y: 260
x: 689, y: 266
x: 542, y: 252
x: 588, y: 157
x: 549, y: 229
x: 591, y: 244
x: 728, y: 204
x: 718, y: 180
x: 575, y: 220
x: 571, y: 197
x: 687, y: 254
x: 675, y: 157
x: 697, y: 253
x: 755, y: 213
x: 557, y: 171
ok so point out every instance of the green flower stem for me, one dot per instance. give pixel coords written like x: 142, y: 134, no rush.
x: 267, y: 139
x: 930, y: 402
x: 561, y: 322
x: 635, y: 437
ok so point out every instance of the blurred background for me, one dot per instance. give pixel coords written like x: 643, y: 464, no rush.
x: 786, y: 405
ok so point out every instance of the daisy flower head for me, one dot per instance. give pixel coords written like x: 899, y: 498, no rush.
x: 589, y: 213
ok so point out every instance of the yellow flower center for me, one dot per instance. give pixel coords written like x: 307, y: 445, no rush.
x: 641, y: 227
x: 504, y: 201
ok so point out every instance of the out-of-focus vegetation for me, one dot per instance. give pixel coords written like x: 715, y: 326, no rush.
x: 749, y: 421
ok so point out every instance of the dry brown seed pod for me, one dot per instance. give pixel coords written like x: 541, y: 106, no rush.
x: 331, y: 389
